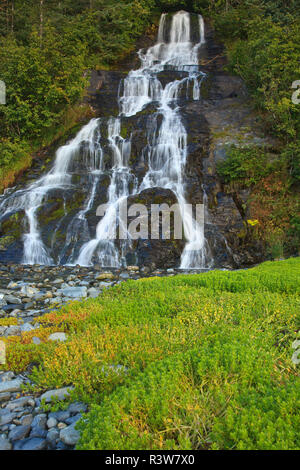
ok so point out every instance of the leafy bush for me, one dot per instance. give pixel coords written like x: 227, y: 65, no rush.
x: 13, y: 152
x: 245, y: 165
x: 268, y: 62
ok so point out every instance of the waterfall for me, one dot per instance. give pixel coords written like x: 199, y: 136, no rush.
x: 32, y: 198
x: 166, y: 154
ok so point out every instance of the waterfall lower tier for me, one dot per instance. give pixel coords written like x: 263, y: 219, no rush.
x: 104, y: 154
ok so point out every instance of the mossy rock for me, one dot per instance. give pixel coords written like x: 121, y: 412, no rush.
x: 5, y: 242
x: 12, y: 225
x: 206, y: 86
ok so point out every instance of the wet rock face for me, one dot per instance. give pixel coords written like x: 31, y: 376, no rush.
x: 158, y: 252
x: 219, y: 118
x: 223, y: 107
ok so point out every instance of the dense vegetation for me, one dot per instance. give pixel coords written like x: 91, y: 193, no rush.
x: 46, y: 49
x: 262, y: 40
x: 185, y: 362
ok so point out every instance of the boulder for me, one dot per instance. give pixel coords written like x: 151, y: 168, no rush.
x: 70, y: 435
x: 58, y: 394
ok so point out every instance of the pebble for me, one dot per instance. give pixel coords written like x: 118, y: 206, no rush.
x: 57, y: 337
x: 19, y: 432
x: 70, y: 435
x: 5, y: 444
x: 77, y: 407
x: 26, y: 420
x: 40, y: 421
x: 61, y: 425
x: 31, y: 443
x: 6, y: 417
x: 26, y: 327
x: 60, y: 415
x: 4, y: 396
x: 11, y: 386
x: 103, y: 276
x: 51, y: 423
x: 36, y: 340
x: 74, y: 292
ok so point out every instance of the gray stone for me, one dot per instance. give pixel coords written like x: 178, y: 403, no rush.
x: 12, y: 299
x: 124, y: 276
x: 37, y: 431
x: 58, y: 394
x: 4, y: 396
x: 29, y: 291
x: 93, y: 292
x: 26, y: 420
x: 12, y: 285
x: 5, y: 444
x: 19, y: 432
x: 73, y: 419
x: 60, y: 415
x: 15, y: 313
x: 146, y: 269
x: 74, y: 292
x: 31, y: 402
x: 36, y: 340
x: 104, y: 285
x: 11, y: 386
x: 5, y: 376
x: 52, y: 438
x: 77, y: 407
x: 26, y: 327
x: 28, y: 305
x: 39, y: 296
x: 57, y: 337
x: 69, y: 435
x: 51, y: 423
x: 33, y: 443
x: 61, y: 446
x: 6, y: 417
x: 13, y: 330
x: 56, y: 300
x: 19, y: 403
x: 40, y: 421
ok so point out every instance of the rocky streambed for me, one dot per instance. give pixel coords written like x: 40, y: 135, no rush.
x: 26, y: 293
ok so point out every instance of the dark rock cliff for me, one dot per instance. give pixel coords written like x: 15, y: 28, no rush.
x: 221, y: 117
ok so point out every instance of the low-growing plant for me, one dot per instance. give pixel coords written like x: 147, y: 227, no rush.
x: 169, y: 363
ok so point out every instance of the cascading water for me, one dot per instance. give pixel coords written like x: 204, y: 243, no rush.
x: 166, y: 154
x: 32, y: 198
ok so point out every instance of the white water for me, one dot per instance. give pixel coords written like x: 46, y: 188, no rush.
x: 32, y: 198
x: 166, y: 153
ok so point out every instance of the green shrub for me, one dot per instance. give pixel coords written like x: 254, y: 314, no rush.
x: 245, y: 165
